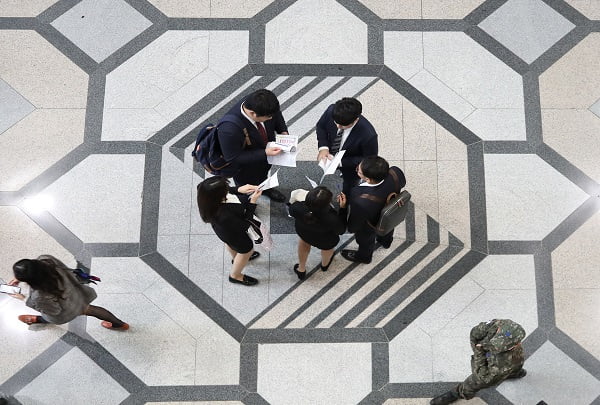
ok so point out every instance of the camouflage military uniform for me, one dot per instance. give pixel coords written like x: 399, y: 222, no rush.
x: 497, y: 355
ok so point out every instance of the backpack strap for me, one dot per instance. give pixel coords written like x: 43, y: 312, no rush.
x: 235, y: 120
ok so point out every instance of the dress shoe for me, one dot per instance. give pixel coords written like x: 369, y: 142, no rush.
x: 247, y: 280
x: 444, y: 399
x: 253, y: 256
x: 301, y: 274
x: 109, y: 325
x: 351, y: 255
x: 385, y: 245
x: 325, y: 268
x: 519, y: 374
x: 275, y: 195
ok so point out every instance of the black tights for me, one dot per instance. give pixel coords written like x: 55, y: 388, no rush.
x: 103, y: 314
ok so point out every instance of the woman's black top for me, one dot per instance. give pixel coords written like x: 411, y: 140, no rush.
x: 231, y: 223
x: 324, y: 233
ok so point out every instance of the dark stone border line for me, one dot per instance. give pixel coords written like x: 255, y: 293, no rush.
x: 438, y: 288
x: 572, y: 223
x: 318, y: 335
x: 477, y: 197
x: 254, y: 398
x: 559, y: 49
x: 292, y: 80
x: 56, y: 10
x: 10, y: 198
x: 493, y: 46
x: 424, y: 25
x: 514, y: 247
x: 358, y: 285
x: 575, y: 352
x: 18, y: 23
x: 54, y: 228
x: 415, y: 259
x: 410, y: 286
x: 35, y: 367
x: 249, y: 366
x: 380, y: 360
x: 106, y: 361
x: 567, y: 11
x: 195, y: 295
x: 212, y: 24
x: 94, y: 112
x: 508, y: 147
x: 113, y: 249
x: 256, y: 44
x: 150, y: 199
x: 544, y: 286
x: 533, y: 114
x: 184, y: 393
x: 483, y: 11
x: 281, y: 69
x: 67, y: 48
x: 148, y: 10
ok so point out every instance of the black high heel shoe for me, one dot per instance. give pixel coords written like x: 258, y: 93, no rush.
x: 301, y: 274
x: 325, y: 268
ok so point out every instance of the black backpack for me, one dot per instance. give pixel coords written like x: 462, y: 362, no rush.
x: 394, y: 211
x: 207, y: 150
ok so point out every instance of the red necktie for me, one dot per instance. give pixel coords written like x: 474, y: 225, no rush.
x: 263, y: 132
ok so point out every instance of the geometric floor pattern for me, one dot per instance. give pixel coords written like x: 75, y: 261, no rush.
x: 491, y: 108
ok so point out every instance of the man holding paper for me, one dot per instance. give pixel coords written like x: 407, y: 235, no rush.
x: 262, y: 118
x: 342, y: 127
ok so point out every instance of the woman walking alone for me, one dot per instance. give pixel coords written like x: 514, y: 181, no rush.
x: 56, y: 293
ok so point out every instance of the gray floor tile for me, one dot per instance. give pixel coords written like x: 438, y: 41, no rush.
x: 100, y: 27
x: 13, y: 106
x: 526, y: 27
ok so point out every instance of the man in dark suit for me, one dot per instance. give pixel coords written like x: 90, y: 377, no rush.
x: 343, y: 127
x: 261, y: 117
x: 366, y: 202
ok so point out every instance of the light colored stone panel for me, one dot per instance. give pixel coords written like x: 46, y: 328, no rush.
x: 385, y: 117
x: 122, y: 275
x: 449, y: 147
x: 129, y: 124
x: 20, y: 343
x: 116, y: 212
x: 228, y: 51
x: 497, y: 124
x: 40, y: 72
x: 453, y: 194
x: 589, y: 8
x: 422, y: 183
x: 450, y: 9
x: 521, y: 198
x: 574, y: 134
x: 552, y: 374
x: 573, y: 81
x: 411, y: 358
x: 394, y: 9
x: 299, y: 35
x: 448, y: 306
x: 13, y: 107
x: 183, y: 8
x: 442, y: 95
x: 158, y: 70
x: 217, y: 358
x: 327, y: 373
x: 425, y: 401
x: 452, y: 353
x: 24, y: 8
x: 172, y: 362
x: 55, y: 132
x: 576, y: 261
x: 403, y: 52
x: 578, y: 315
x: 419, y: 133
x: 176, y: 249
x: 236, y: 8
x: 197, y: 403
x: 505, y: 272
x: 22, y: 238
x: 471, y: 71
x: 89, y: 374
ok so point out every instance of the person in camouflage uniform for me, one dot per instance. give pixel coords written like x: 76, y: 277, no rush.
x: 497, y: 356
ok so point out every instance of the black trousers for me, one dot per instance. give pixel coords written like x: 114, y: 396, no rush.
x: 366, y: 237
x: 254, y: 174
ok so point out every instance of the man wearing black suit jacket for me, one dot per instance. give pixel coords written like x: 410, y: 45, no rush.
x: 366, y: 202
x: 262, y: 118
x: 343, y: 127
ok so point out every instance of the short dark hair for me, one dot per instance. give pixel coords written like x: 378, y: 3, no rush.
x: 375, y: 167
x: 346, y: 110
x: 317, y: 200
x: 211, y: 193
x: 263, y: 102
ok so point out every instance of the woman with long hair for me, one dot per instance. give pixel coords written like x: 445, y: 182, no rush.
x: 56, y: 293
x: 318, y: 224
x: 228, y: 209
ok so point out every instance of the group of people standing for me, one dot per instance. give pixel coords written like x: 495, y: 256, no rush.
x: 367, y: 182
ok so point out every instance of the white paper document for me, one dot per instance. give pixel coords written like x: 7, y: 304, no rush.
x: 289, y: 149
x: 313, y: 183
x: 270, y: 182
x: 329, y: 166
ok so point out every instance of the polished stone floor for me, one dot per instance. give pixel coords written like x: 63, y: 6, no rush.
x: 492, y: 109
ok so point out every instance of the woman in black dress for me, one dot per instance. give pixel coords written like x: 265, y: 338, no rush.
x: 227, y: 209
x: 319, y: 225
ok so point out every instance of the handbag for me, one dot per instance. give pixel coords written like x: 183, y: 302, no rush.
x: 254, y: 231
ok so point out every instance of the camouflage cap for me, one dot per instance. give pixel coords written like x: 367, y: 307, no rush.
x: 508, y: 334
